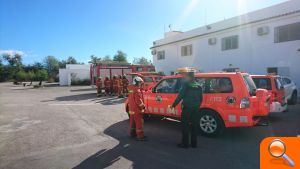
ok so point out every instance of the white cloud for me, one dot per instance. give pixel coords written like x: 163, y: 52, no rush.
x: 12, y: 52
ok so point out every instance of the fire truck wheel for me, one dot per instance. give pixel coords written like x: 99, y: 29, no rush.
x: 293, y: 99
x: 210, y: 123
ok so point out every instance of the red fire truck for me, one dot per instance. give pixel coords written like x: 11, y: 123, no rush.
x: 150, y: 78
x: 111, y: 69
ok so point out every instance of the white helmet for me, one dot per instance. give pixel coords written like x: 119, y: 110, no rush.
x: 137, y: 80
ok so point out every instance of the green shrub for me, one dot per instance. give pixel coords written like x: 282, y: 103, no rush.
x: 21, y: 76
x: 78, y: 82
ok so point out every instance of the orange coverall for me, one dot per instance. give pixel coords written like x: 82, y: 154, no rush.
x: 107, y: 85
x: 125, y: 85
x: 136, y: 110
x: 115, y: 85
x: 99, y: 86
x: 120, y: 86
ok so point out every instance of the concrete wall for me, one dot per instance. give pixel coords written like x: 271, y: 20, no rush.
x: 73, y: 72
x: 254, y: 54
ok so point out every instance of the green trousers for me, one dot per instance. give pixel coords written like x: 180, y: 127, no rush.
x: 189, y: 124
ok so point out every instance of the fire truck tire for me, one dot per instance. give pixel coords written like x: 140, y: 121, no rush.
x: 293, y: 99
x: 210, y: 123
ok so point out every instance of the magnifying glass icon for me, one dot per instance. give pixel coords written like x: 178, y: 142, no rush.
x: 277, y: 149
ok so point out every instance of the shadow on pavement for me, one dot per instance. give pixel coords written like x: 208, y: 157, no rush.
x: 78, y: 97
x: 161, y: 151
x: 110, y: 100
x: 139, y: 153
x: 83, y: 90
x: 104, y: 100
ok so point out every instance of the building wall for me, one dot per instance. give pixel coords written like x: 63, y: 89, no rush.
x: 254, y: 54
x: 73, y: 71
x: 63, y: 77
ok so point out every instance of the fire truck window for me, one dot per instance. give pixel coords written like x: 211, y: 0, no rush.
x: 148, y: 79
x: 278, y: 83
x: 263, y: 83
x: 219, y: 85
x: 157, y: 79
x: 167, y: 86
x: 286, y: 81
x: 201, y: 81
x: 129, y: 78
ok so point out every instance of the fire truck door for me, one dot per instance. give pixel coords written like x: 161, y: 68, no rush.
x: 162, y: 96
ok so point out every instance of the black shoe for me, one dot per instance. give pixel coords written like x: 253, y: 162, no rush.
x: 181, y: 145
x: 142, y: 139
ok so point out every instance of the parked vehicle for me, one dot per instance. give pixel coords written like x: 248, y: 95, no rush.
x: 273, y: 84
x: 290, y: 89
x: 150, y: 78
x: 115, y: 68
x: 229, y: 100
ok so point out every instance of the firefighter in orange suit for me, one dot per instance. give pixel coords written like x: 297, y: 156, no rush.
x: 120, y: 86
x: 115, y: 85
x: 125, y: 85
x: 107, y: 86
x: 136, y: 110
x: 111, y: 86
x: 99, y: 86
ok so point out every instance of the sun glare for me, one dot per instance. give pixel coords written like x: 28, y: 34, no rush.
x: 189, y: 8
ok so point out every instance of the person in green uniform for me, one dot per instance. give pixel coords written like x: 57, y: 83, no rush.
x: 191, y: 96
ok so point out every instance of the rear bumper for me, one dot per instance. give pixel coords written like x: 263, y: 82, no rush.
x: 277, y: 107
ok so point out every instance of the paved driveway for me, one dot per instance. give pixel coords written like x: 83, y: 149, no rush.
x: 68, y: 127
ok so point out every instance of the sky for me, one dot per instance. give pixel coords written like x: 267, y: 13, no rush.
x: 81, y: 28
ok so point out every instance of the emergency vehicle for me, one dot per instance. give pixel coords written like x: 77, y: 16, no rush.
x: 273, y: 84
x: 229, y: 100
x: 116, y: 68
x: 150, y: 78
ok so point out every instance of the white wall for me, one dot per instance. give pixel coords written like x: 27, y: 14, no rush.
x: 254, y: 55
x: 63, y: 77
x: 80, y: 72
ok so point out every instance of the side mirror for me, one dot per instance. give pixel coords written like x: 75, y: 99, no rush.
x: 153, y: 90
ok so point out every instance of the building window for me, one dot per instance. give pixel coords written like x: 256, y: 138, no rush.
x: 287, y: 33
x: 231, y: 42
x: 161, y: 55
x: 187, y: 50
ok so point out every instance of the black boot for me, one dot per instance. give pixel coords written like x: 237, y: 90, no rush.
x: 181, y: 145
x: 142, y: 139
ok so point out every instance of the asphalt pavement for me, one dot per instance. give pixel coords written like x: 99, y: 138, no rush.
x: 69, y: 127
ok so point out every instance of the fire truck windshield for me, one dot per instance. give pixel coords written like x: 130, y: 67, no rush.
x: 250, y: 84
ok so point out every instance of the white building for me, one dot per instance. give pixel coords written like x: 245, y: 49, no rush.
x: 73, y: 72
x: 267, y: 40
